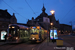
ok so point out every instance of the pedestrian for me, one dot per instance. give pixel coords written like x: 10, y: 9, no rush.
x: 5, y: 37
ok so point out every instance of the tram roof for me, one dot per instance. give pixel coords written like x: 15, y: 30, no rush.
x: 20, y: 26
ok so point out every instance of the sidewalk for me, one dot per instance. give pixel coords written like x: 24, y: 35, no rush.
x: 2, y: 43
x: 53, y: 46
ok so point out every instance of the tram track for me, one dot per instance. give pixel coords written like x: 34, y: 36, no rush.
x: 8, y: 46
x: 18, y: 46
x: 37, y: 47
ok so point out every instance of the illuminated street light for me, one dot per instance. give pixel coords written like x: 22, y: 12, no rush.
x: 52, y: 31
x: 52, y: 11
x: 51, y: 23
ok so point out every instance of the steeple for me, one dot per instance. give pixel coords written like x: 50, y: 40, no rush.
x: 43, y: 9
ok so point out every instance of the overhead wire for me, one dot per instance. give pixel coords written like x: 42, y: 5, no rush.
x: 68, y: 12
x: 30, y: 7
x: 14, y: 10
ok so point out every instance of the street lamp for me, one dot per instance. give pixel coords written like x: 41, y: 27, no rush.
x: 52, y: 11
x: 51, y: 24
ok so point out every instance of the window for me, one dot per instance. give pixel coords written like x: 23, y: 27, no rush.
x: 26, y: 33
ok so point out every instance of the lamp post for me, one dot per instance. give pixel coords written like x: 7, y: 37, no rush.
x: 52, y: 12
x: 51, y: 24
x: 52, y: 31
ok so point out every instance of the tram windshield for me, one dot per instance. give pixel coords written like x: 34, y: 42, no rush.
x: 13, y: 32
x: 34, y: 31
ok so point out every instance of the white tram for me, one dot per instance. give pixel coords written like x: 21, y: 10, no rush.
x: 17, y: 33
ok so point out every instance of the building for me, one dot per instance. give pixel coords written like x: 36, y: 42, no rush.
x: 44, y: 21
x: 6, y: 19
x: 65, y: 28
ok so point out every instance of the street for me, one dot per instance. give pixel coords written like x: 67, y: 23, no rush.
x: 21, y: 46
x: 69, y: 41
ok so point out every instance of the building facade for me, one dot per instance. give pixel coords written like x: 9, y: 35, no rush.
x: 65, y: 28
x: 44, y: 21
x: 5, y: 20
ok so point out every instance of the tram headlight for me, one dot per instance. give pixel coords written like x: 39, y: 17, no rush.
x: 13, y: 27
x: 33, y: 38
x: 16, y: 38
x: 9, y: 27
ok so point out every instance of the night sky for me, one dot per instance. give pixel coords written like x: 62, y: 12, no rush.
x: 26, y: 9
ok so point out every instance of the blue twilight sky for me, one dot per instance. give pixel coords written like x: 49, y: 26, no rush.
x: 26, y: 9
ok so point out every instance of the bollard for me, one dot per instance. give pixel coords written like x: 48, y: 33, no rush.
x: 59, y: 42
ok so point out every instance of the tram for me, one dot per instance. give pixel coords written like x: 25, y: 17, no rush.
x: 37, y: 34
x: 17, y: 33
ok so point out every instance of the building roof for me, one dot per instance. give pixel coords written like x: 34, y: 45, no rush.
x: 41, y: 24
x: 43, y: 14
x: 66, y: 25
x: 22, y: 24
x: 4, y: 14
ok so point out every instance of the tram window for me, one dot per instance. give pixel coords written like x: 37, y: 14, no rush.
x: 26, y: 33
x: 17, y: 29
x: 34, y: 33
x: 21, y: 35
x: 13, y: 32
x: 31, y: 31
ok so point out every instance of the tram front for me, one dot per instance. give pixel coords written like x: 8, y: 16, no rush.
x: 12, y: 36
x: 35, y: 35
